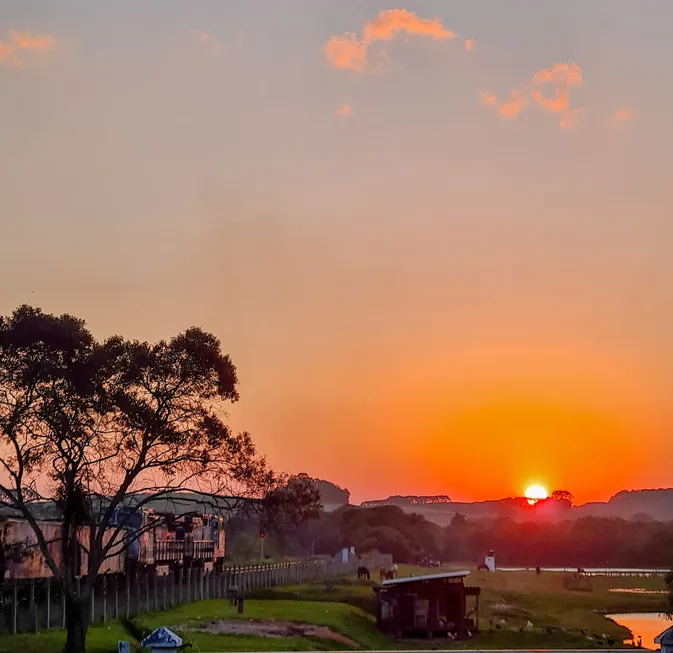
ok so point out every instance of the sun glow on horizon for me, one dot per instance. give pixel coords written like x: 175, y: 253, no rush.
x: 534, y: 493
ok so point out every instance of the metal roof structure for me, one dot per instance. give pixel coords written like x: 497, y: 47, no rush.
x: 665, y: 638
x: 162, y: 637
x: 417, y: 579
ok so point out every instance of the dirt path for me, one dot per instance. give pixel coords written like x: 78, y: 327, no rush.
x: 270, y: 629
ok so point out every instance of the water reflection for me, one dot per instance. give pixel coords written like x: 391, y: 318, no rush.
x: 646, y: 625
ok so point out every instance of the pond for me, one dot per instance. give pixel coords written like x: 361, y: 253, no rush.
x: 646, y: 625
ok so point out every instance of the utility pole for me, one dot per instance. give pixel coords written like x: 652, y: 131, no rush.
x: 261, y: 543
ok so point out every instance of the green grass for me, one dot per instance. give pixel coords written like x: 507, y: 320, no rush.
x: 340, y: 617
x: 347, y: 607
x: 544, y: 602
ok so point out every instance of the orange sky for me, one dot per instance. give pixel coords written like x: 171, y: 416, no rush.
x: 435, y: 240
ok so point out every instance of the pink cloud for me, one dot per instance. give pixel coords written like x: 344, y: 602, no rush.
x: 24, y: 41
x: 517, y: 101
x: 348, y: 52
x: 561, y: 74
x: 344, y: 110
x: 561, y: 78
x: 622, y: 115
x: 487, y: 99
x: 21, y: 42
x: 389, y: 22
x: 569, y: 120
x: 469, y: 45
x: 5, y: 52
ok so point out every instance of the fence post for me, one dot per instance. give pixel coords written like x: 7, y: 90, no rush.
x: 15, y: 606
x: 62, y: 609
x: 127, y: 582
x: 189, y: 583
x: 93, y: 598
x: 116, y: 584
x: 48, y: 583
x: 156, y: 593
x: 182, y: 573
x: 33, y: 607
x: 138, y: 583
x: 147, y: 593
x: 104, y: 598
x: 164, y: 602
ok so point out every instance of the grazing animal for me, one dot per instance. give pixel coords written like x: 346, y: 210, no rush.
x: 382, y: 573
x: 390, y: 575
x: 363, y: 573
x: 482, y: 567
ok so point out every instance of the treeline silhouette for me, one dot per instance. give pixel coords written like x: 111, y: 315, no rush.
x: 586, y: 542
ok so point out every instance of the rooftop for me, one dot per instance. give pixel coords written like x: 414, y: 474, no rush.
x: 162, y: 637
x: 418, y: 579
x: 665, y: 638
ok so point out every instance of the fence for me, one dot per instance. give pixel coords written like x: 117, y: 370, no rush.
x: 35, y: 605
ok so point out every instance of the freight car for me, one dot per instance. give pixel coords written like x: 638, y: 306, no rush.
x: 149, y: 543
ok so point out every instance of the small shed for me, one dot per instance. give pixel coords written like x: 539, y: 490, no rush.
x: 665, y: 640
x: 432, y: 605
x: 162, y: 640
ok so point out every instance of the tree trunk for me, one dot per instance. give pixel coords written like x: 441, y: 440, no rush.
x: 76, y: 623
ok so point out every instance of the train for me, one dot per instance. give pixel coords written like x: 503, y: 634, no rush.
x: 153, y: 544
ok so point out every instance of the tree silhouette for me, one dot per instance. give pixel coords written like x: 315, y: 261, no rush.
x: 562, y: 495
x: 93, y: 427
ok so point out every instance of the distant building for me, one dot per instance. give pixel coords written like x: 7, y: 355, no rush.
x: 410, y: 500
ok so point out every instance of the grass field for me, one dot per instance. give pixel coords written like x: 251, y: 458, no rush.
x: 347, y: 607
x: 519, y: 597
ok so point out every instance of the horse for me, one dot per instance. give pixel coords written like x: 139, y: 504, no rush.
x: 390, y: 574
x: 363, y: 573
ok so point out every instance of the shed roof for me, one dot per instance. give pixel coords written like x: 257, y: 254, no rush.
x: 417, y: 579
x: 162, y: 637
x: 665, y: 638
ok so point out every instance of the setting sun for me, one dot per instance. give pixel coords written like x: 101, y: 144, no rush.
x: 534, y: 493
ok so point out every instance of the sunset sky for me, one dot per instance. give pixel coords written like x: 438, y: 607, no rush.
x: 435, y: 238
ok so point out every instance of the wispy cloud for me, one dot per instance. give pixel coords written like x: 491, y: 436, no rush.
x: 21, y: 43
x: 549, y: 89
x: 569, y: 120
x: 5, y: 52
x: 469, y: 45
x: 622, y: 115
x: 487, y: 99
x: 516, y: 102
x: 563, y: 77
x: 24, y: 41
x: 344, y: 110
x: 350, y: 52
x: 212, y: 42
x: 392, y: 21
x: 346, y: 52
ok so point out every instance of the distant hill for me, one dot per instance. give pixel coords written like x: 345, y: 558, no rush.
x: 635, y: 505
x: 332, y: 495
x: 627, y: 504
